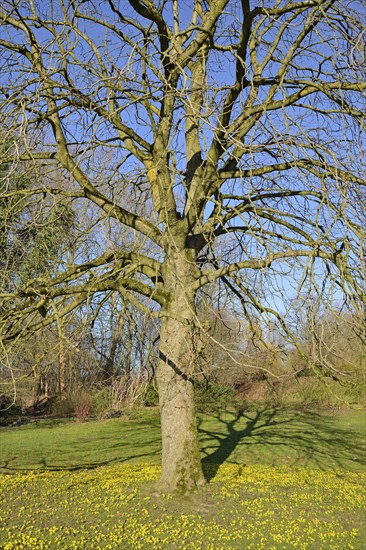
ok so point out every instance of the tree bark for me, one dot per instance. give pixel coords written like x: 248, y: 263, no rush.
x: 181, y: 463
x: 40, y: 386
x: 62, y: 370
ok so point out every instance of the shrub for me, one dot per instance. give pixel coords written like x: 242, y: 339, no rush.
x: 150, y: 397
x: 82, y: 406
x: 312, y: 392
x: 8, y: 407
x: 101, y: 402
x: 126, y: 391
x: 211, y: 397
x: 353, y: 389
x: 63, y: 407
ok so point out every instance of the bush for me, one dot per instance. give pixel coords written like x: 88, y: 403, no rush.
x: 150, y: 397
x: 63, y: 407
x: 82, y: 406
x: 211, y: 397
x: 353, y: 389
x: 312, y: 392
x: 8, y: 407
x: 101, y: 402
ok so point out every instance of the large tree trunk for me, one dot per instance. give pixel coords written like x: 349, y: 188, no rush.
x: 181, y: 463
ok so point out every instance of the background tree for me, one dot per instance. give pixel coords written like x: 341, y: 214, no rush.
x: 34, y: 234
x: 231, y: 135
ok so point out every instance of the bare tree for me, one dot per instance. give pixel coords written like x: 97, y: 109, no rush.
x: 123, y: 338
x: 224, y: 137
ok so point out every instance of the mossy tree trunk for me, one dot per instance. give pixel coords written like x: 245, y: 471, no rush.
x: 181, y: 463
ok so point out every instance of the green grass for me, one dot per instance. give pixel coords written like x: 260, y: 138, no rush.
x: 333, y: 440
x: 323, y: 440
x: 72, y: 445
x: 278, y: 480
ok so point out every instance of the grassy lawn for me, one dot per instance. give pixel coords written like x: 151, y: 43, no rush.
x: 328, y: 441
x: 278, y: 480
x: 47, y: 444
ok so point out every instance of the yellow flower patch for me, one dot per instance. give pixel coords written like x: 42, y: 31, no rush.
x: 243, y: 507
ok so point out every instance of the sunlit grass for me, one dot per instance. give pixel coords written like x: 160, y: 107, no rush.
x: 273, y: 437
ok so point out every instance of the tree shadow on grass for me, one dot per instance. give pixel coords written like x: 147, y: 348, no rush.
x: 277, y: 437
x: 113, y: 452
x: 80, y: 446
x: 45, y: 465
x: 97, y: 464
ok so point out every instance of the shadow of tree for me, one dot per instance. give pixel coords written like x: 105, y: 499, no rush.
x: 267, y: 436
x: 74, y: 451
x: 295, y: 438
x: 46, y: 465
